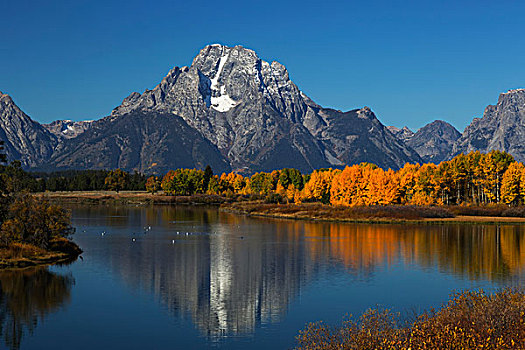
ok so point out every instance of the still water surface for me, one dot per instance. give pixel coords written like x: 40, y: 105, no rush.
x: 202, y: 279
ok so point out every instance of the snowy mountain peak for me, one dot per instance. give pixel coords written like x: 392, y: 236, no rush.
x: 252, y: 112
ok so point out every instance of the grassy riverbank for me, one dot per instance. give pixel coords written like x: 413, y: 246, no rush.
x: 304, y: 211
x: 19, y: 255
x: 389, y: 213
x: 317, y: 211
x: 470, y: 320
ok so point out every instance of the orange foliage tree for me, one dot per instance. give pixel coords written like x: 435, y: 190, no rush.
x: 475, y: 178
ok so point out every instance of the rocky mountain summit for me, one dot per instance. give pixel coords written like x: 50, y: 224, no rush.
x: 229, y: 109
x: 25, y: 139
x: 502, y: 127
x: 260, y: 120
x: 433, y: 142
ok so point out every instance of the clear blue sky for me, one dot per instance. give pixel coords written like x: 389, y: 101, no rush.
x: 410, y: 61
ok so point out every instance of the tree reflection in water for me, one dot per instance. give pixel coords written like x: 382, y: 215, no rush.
x: 26, y: 297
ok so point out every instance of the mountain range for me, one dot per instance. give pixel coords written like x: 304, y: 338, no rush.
x: 234, y: 111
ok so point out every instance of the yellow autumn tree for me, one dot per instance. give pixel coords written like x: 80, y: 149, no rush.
x: 494, y: 165
x: 425, y: 186
x: 280, y: 190
x: 318, y: 186
x: 513, y: 184
x: 350, y: 187
x: 290, y: 193
x: 407, y: 181
x: 383, y: 188
x: 343, y: 186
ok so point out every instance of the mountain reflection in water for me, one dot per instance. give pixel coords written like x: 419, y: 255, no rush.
x: 26, y: 297
x: 231, y: 273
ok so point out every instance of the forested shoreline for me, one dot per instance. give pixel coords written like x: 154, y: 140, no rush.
x: 475, y: 178
x: 467, y: 179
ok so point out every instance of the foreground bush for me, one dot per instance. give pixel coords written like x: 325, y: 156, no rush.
x: 470, y: 320
x: 34, y: 221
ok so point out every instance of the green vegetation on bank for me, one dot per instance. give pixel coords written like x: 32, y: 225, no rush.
x: 470, y: 320
x: 32, y: 230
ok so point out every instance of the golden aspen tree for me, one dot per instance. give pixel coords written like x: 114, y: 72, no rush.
x: 290, y: 193
x: 424, y: 188
x: 512, y: 186
x: 343, y: 185
x: 444, y: 182
x: 391, y: 191
x: 280, y: 190
x: 407, y: 182
x: 318, y: 187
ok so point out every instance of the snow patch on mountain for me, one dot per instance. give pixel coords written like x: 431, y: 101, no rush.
x: 219, y: 99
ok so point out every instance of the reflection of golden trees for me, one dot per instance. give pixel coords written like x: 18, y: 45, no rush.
x: 27, y: 296
x: 512, y: 244
x: 487, y: 251
x: 357, y: 246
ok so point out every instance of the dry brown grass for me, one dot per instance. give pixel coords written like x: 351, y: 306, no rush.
x: 21, y: 250
x: 327, y: 212
x: 470, y: 320
x: 491, y: 210
x: 19, y: 254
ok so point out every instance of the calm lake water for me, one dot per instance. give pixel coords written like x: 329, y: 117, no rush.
x: 203, y: 279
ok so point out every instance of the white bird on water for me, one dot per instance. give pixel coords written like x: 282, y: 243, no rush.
x: 133, y: 239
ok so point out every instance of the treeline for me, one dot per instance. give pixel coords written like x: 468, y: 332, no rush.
x: 71, y: 180
x: 474, y: 178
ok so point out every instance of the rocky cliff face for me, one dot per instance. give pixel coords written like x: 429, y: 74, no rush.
x: 149, y: 143
x: 501, y: 128
x: 402, y: 134
x: 25, y: 139
x: 434, y: 141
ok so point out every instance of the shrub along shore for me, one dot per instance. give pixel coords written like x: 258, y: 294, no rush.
x: 33, y: 231
x: 470, y: 320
